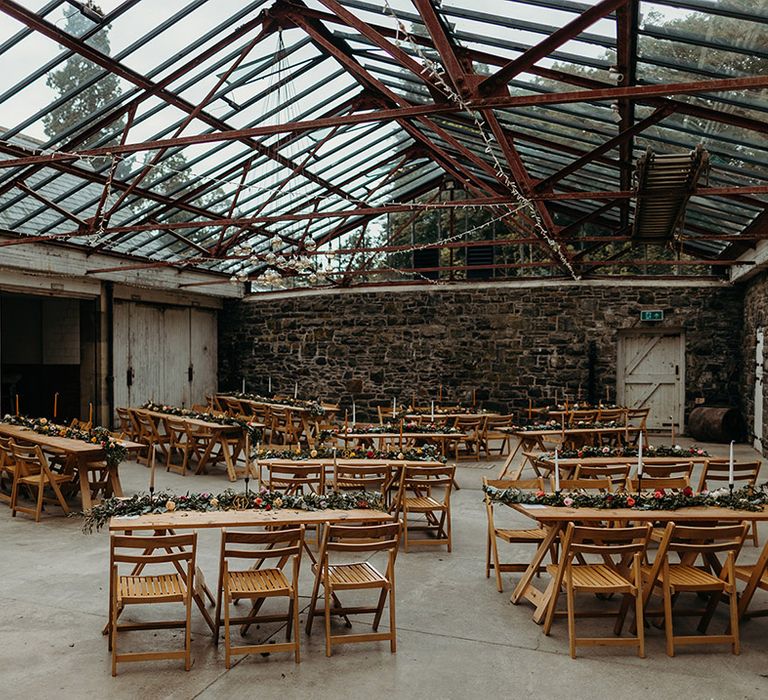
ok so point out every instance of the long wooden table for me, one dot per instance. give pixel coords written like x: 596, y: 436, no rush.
x: 556, y: 519
x: 222, y: 435
x: 78, y: 454
x: 162, y: 523
x: 368, y: 438
x: 529, y: 441
x: 571, y: 463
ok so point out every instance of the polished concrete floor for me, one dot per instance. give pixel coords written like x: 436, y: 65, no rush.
x: 457, y: 638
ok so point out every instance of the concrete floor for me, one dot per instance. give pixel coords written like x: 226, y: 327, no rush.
x: 457, y: 636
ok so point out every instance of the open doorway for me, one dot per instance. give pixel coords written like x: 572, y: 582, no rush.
x: 47, y: 355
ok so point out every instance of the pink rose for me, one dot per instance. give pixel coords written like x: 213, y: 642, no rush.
x: 568, y: 501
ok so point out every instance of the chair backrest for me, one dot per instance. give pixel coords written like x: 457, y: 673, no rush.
x: 574, y: 417
x: 385, y: 414
x: 536, y: 484
x: 294, y: 477
x: 616, y: 473
x: 125, y: 420
x: 362, y: 538
x: 637, y: 416
x: 153, y: 549
x: 274, y: 544
x: 233, y: 406
x: 666, y: 471
x: 421, y: 480
x: 673, y: 483
x: 606, y: 415
x: 355, y: 477
x: 718, y: 470
x: 29, y: 459
x: 177, y: 429
x: 468, y: 424
x: 146, y: 424
x: 6, y: 456
x: 494, y: 422
x: 81, y: 424
x: 708, y: 539
x: 605, y: 541
x: 590, y: 484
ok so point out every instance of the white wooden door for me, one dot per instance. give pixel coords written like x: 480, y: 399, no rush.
x: 651, y: 373
x: 203, y: 344
x: 757, y: 429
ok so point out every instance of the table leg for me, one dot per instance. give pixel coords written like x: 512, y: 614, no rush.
x: 231, y: 473
x: 114, y: 480
x: 525, y: 588
x: 85, y: 487
x: 509, y: 460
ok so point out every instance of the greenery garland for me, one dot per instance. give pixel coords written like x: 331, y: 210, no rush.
x: 410, y: 427
x: 426, y: 453
x: 114, y: 451
x: 314, y: 407
x: 167, y: 502
x: 558, y: 425
x: 746, y: 498
x: 628, y: 451
x: 211, y: 416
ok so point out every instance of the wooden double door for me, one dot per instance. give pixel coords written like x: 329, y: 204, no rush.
x: 166, y: 354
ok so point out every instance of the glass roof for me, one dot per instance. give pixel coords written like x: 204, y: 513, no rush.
x: 238, y: 137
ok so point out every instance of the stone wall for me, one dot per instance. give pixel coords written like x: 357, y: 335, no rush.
x: 507, y: 343
x: 755, y: 315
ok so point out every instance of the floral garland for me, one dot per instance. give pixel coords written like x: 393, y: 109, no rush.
x: 579, y: 406
x: 445, y: 410
x: 558, y: 425
x: 167, y: 502
x: 649, y: 451
x: 114, y: 450
x: 213, y: 417
x: 314, y: 407
x: 426, y: 453
x: 410, y: 427
x: 746, y: 498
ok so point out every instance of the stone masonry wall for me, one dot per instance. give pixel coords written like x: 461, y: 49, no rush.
x: 506, y: 343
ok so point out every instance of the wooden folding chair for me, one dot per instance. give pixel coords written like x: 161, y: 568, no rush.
x: 674, y: 578
x: 282, y: 430
x: 473, y: 428
x: 234, y: 407
x: 296, y: 478
x: 7, y: 469
x: 374, y: 478
x: 423, y: 483
x: 177, y: 443
x: 126, y: 423
x: 617, y: 474
x: 491, y: 432
x: 138, y: 588
x: 610, y: 415
x: 385, y: 413
x: 627, y: 544
x: 150, y: 435
x: 668, y: 470
x: 755, y: 576
x: 602, y: 484
x: 32, y: 472
x: 716, y: 474
x: 533, y: 536
x: 572, y: 418
x: 258, y: 583
x: 638, y: 418
x: 338, y: 577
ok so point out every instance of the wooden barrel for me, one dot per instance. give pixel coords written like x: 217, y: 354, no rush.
x: 713, y: 424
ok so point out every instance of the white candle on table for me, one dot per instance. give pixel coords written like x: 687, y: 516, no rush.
x: 433, y: 411
x: 354, y: 413
x: 243, y: 384
x: 295, y: 390
x: 557, y: 472
x: 270, y: 384
x: 730, y: 465
x: 394, y: 406
x: 639, y: 455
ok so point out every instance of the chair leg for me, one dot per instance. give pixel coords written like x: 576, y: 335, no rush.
x: 570, y: 603
x: 327, y: 618
x: 295, y: 600
x: 313, y: 601
x: 113, y: 637
x: 392, y: 622
x: 227, y: 642
x: 668, y: 627
x: 639, y: 622
x: 188, y: 630
x: 40, y: 493
x: 379, y: 609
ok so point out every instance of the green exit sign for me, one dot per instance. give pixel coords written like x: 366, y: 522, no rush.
x: 652, y: 315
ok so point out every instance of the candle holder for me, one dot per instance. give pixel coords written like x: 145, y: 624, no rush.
x: 247, y: 481
x: 639, y: 483
x: 151, y: 495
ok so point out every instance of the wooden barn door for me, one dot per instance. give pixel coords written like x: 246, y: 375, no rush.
x: 163, y: 353
x: 651, y: 373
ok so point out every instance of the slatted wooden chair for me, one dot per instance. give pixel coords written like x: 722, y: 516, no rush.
x: 688, y: 543
x: 258, y: 583
x: 81, y: 424
x: 385, y: 414
x: 491, y: 432
x: 101, y: 478
x: 234, y: 407
x: 671, y: 483
x: 615, y: 545
x: 137, y: 588
x: 602, y: 484
x: 609, y: 415
x: 668, y: 470
x: 336, y: 578
x: 295, y: 478
x: 755, y: 576
x: 532, y: 536
x: 7, y: 469
x: 473, y: 428
x: 282, y: 430
x: 716, y: 474
x: 617, y: 474
x: 33, y: 473
x: 426, y: 491
x: 150, y: 435
x: 638, y: 418
x: 178, y: 444
x: 374, y: 478
x: 126, y: 423
x: 573, y: 418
